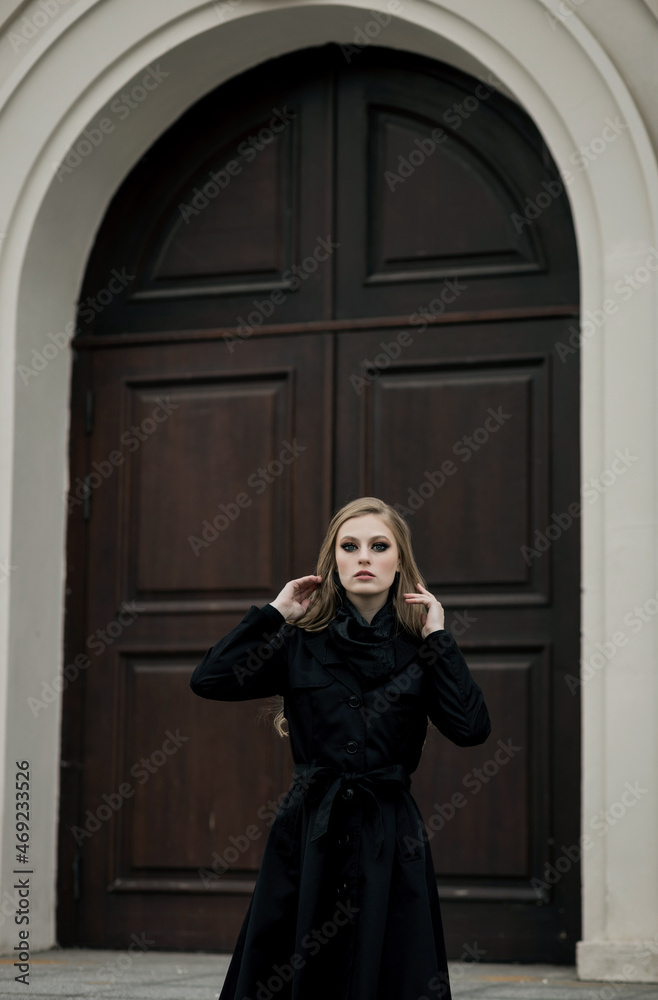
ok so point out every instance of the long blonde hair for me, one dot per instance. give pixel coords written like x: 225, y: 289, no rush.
x: 325, y: 599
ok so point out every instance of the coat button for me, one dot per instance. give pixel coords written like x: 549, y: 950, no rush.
x: 351, y: 746
x: 342, y: 888
x: 354, y: 702
x: 344, y: 840
x: 348, y: 792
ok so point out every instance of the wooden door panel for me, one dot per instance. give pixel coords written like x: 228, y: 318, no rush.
x: 472, y: 423
x: 232, y: 220
x: 221, y: 471
x: 200, y: 790
x: 246, y: 232
x: 216, y: 518
x: 437, y: 170
x: 455, y: 432
x: 456, y: 428
x: 196, y: 774
x: 444, y: 239
x: 484, y: 805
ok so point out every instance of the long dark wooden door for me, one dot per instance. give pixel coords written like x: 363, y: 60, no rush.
x: 323, y: 282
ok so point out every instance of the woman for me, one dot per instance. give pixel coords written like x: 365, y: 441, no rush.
x: 345, y: 904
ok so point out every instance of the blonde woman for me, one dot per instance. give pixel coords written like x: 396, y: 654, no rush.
x: 345, y: 903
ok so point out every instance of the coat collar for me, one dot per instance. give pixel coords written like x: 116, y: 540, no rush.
x: 318, y: 645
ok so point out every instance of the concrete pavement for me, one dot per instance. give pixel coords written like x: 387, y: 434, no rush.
x: 86, y: 974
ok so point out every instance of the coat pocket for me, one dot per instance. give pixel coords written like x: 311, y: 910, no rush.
x: 309, y: 675
x: 286, y: 828
x: 406, y: 687
x: 410, y: 830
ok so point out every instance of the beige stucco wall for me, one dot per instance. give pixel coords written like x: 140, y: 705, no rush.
x: 592, y: 61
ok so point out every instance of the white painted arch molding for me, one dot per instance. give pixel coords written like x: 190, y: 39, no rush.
x: 64, y: 80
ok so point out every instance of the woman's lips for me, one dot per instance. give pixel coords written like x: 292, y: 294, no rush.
x: 365, y: 576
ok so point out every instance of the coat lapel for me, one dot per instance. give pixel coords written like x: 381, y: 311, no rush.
x: 318, y: 645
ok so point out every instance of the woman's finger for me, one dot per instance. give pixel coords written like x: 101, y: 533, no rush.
x: 305, y: 581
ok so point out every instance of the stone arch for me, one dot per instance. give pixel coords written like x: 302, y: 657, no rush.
x: 66, y: 82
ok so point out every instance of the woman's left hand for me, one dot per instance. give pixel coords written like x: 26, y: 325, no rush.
x: 434, y: 617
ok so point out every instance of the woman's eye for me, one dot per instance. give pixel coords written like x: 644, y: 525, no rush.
x: 345, y: 544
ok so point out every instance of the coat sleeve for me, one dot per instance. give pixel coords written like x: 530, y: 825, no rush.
x: 251, y: 661
x: 456, y: 704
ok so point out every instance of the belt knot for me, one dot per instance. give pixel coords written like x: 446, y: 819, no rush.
x: 393, y: 777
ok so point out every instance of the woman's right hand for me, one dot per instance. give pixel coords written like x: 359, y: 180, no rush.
x: 294, y: 599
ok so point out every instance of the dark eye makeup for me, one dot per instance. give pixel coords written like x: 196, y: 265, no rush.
x: 385, y: 544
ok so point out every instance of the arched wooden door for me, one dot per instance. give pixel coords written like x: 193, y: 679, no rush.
x: 344, y: 273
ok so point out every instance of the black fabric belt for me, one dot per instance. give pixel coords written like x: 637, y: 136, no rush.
x: 394, y: 777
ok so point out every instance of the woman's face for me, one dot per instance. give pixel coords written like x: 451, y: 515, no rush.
x: 367, y: 544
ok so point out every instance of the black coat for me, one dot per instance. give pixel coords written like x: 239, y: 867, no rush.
x: 345, y: 903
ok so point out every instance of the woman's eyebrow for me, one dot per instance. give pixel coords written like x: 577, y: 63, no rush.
x: 353, y: 538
